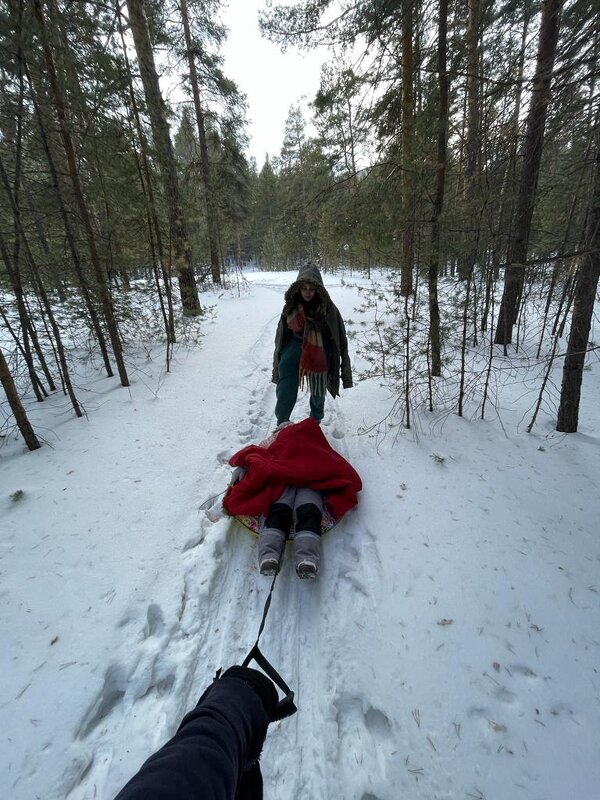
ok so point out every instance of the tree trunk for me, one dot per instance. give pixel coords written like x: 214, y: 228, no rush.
x: 407, y: 180
x: 583, y: 309
x: 438, y: 204
x: 147, y: 188
x: 165, y: 156
x: 44, y: 300
x: 16, y: 406
x: 20, y: 236
x: 463, y: 348
x: 473, y: 142
x: 507, y: 206
x: 215, y: 263
x: 69, y: 148
x: 28, y: 332
x: 532, y: 154
x: 69, y: 232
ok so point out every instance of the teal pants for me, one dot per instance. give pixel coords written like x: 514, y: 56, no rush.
x: 288, y: 385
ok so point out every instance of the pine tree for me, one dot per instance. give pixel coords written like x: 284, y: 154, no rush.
x: 163, y: 151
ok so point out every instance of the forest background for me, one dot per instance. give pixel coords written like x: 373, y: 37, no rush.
x: 457, y: 150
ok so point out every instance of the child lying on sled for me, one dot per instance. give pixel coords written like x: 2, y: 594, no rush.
x: 292, y: 479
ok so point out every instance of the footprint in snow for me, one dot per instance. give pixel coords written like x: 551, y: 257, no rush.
x: 565, y: 712
x: 351, y: 713
x: 111, y: 694
x: 193, y: 542
x: 378, y: 723
x: 488, y: 722
x: 356, y: 584
x: 479, y: 712
x: 363, y: 733
x: 352, y: 553
x: 505, y: 695
x: 522, y: 671
x: 155, y: 622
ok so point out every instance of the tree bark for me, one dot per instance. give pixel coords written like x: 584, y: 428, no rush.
x: 473, y: 141
x: 507, y: 206
x: 165, y: 156
x: 154, y: 231
x: 463, y: 347
x: 438, y: 203
x: 583, y: 309
x: 211, y: 222
x: 514, y: 275
x: 27, y: 330
x: 16, y: 406
x: 407, y: 180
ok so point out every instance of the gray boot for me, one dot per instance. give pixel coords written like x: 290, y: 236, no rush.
x: 307, y: 554
x: 271, y: 543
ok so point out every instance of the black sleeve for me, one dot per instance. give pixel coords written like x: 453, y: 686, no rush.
x: 279, y: 333
x: 346, y: 367
x: 216, y: 744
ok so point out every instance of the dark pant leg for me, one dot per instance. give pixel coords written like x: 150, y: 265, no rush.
x: 287, y: 386
x: 273, y: 536
x: 280, y: 517
x: 317, y: 406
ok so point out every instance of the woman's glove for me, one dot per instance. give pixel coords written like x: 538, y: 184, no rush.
x: 263, y: 687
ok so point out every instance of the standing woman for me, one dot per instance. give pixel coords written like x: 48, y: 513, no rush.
x: 311, y: 346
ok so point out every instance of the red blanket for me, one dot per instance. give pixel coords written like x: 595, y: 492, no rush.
x: 299, y: 456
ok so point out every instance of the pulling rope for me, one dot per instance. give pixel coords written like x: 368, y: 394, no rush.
x: 208, y: 503
x: 286, y: 706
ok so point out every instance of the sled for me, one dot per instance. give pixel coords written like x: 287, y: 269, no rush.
x: 313, y: 438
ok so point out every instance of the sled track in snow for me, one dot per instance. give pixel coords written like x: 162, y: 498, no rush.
x: 313, y: 753
x: 337, y: 730
x: 172, y: 660
x: 317, y: 752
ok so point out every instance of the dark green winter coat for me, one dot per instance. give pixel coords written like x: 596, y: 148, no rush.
x: 333, y: 324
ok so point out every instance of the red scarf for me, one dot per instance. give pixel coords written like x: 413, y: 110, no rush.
x: 313, y: 359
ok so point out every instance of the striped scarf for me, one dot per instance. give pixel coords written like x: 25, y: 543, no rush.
x: 313, y: 359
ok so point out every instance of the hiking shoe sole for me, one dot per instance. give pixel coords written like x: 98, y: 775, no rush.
x: 306, y: 571
x: 269, y: 567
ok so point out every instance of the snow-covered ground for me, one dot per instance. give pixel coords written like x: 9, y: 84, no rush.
x: 449, y: 649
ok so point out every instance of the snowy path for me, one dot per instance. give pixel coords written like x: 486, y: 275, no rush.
x: 218, y: 602
x: 221, y: 597
x: 448, y: 650
x: 219, y: 614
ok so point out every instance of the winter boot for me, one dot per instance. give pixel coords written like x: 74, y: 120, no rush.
x: 271, y: 543
x: 307, y: 554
